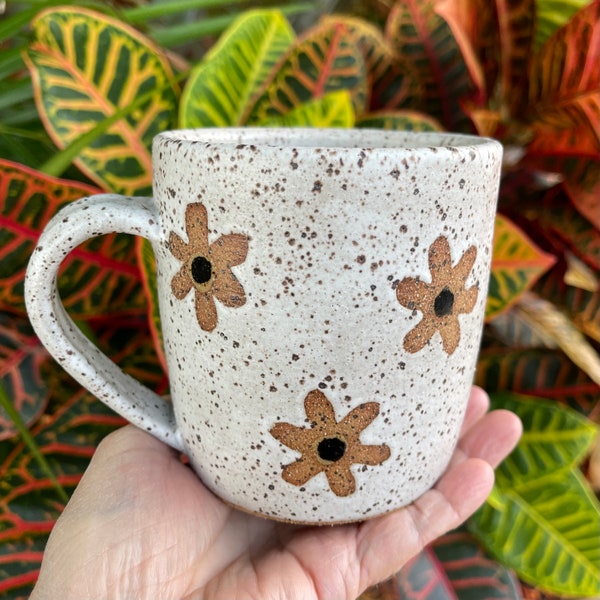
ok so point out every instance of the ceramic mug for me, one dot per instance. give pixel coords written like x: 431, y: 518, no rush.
x: 321, y: 295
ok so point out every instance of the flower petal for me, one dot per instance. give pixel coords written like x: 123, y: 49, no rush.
x: 464, y: 301
x: 196, y: 227
x: 465, y: 264
x: 450, y: 332
x: 413, y: 293
x: 440, y: 261
x: 206, y: 311
x: 370, y: 455
x: 296, y: 438
x: 299, y: 472
x: 181, y: 283
x: 230, y: 250
x: 341, y: 481
x: 318, y: 408
x: 417, y: 338
x: 228, y: 290
x: 179, y: 249
x: 359, y: 418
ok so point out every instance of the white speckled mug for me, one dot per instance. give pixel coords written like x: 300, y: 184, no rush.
x: 322, y: 297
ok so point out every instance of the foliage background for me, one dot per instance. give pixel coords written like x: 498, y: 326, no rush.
x: 83, y: 88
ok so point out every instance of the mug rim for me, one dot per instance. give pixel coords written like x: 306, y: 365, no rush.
x: 367, y: 139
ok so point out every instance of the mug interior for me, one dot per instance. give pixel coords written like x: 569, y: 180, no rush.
x: 323, y: 138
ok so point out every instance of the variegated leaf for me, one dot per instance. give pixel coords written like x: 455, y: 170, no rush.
x: 67, y: 436
x: 454, y: 567
x: 538, y: 372
x: 516, y: 264
x: 22, y: 360
x: 331, y: 110
x: 546, y: 529
x: 564, y: 90
x: 326, y: 59
x: 554, y: 437
x: 98, y: 277
x: 425, y: 43
x: 220, y: 88
x: 86, y: 67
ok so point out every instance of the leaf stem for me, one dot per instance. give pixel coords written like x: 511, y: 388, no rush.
x: 140, y: 14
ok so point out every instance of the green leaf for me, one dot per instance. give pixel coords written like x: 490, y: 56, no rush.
x: 402, y: 120
x: 165, y: 8
x: 192, y: 31
x: 85, y: 67
x: 548, y: 530
x: 516, y: 264
x: 326, y: 59
x: 332, y: 110
x: 219, y: 90
x: 554, y: 437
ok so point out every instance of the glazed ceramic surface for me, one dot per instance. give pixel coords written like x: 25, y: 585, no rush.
x: 322, y: 296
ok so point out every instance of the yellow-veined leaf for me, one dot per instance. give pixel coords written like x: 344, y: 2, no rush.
x: 542, y: 518
x: 220, y: 88
x: 85, y: 67
x: 326, y: 59
x: 548, y: 530
x: 517, y: 263
x: 332, y: 110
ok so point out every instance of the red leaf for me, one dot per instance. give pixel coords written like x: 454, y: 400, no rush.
x: 99, y: 276
x: 452, y: 568
x: 560, y: 220
x: 538, y: 372
x: 67, y: 436
x: 582, y: 183
x: 516, y: 24
x: 21, y: 362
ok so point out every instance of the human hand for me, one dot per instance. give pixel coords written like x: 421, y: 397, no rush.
x: 141, y: 525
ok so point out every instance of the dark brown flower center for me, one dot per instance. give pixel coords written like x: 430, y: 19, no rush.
x: 444, y: 303
x: 331, y: 449
x: 201, y: 270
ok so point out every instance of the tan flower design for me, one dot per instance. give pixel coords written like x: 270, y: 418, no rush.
x: 328, y: 446
x: 440, y: 301
x: 207, y: 267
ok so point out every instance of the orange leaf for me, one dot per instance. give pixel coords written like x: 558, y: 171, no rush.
x: 564, y: 88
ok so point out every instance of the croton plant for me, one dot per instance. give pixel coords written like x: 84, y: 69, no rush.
x: 84, y: 90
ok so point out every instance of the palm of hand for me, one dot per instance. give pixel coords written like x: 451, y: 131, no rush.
x: 141, y: 526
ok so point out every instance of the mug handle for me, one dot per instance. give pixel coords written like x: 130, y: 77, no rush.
x: 77, y: 222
